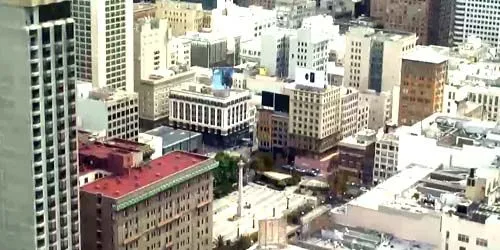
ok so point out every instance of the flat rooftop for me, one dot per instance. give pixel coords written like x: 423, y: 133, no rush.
x: 103, y: 149
x: 171, y: 136
x: 156, y: 170
x: 426, y: 54
x: 389, y: 189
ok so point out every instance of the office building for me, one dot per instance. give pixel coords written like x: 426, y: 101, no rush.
x: 354, y: 113
x: 182, y: 17
x: 273, y: 122
x: 315, y: 113
x: 476, y: 18
x: 154, y: 93
x: 381, y: 107
x: 274, y: 48
x: 386, y: 157
x: 246, y: 23
x: 113, y: 113
x: 164, y: 203
x: 178, y: 52
x: 431, y: 20
x: 104, y: 43
x: 290, y: 13
x: 309, y: 47
x: 151, y: 37
x: 38, y: 164
x: 266, y: 4
x: 423, y: 75
x: 221, y: 115
x: 144, y: 9
x: 373, y: 58
x: 356, y: 155
x: 208, y: 50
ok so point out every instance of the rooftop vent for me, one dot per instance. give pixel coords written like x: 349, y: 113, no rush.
x: 97, y: 186
x: 157, y: 174
x: 137, y: 184
x: 117, y: 192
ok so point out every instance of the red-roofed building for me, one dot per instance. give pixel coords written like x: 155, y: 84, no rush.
x: 162, y: 204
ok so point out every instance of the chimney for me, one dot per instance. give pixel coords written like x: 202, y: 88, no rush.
x: 472, y: 173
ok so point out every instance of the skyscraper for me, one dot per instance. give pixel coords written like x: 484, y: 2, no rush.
x: 104, y: 39
x: 38, y: 163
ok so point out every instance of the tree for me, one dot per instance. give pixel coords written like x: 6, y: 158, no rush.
x: 226, y: 174
x: 243, y: 242
x: 219, y: 243
x: 338, y: 183
x: 257, y: 165
x: 267, y: 160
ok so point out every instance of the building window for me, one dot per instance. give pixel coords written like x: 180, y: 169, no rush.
x: 463, y: 238
x: 482, y: 242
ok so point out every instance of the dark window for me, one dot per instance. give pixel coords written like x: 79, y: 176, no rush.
x: 54, y: 11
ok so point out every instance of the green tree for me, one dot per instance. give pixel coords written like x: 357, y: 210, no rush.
x: 226, y: 174
x: 258, y: 165
x: 243, y: 242
x: 267, y: 160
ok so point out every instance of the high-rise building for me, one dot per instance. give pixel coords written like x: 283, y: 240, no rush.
x: 309, y: 47
x: 431, y: 20
x: 315, y: 113
x: 104, y: 37
x: 423, y: 75
x: 373, y: 58
x: 38, y: 163
x: 477, y: 18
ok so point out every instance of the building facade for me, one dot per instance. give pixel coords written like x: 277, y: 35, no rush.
x: 431, y: 20
x: 39, y: 206
x: 356, y: 154
x: 315, y: 114
x: 423, y: 75
x: 165, y: 204
x: 104, y: 43
x: 182, y: 17
x: 476, y: 18
x: 115, y: 113
x: 151, y: 38
x: 222, y: 116
x: 290, y: 13
x: 373, y: 58
x: 309, y: 47
x: 386, y: 158
x: 153, y: 97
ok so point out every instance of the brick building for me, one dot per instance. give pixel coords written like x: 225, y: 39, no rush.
x: 356, y: 154
x: 423, y: 76
x: 162, y: 204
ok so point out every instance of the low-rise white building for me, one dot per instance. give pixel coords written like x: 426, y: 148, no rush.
x: 290, y: 13
x: 223, y: 116
x: 250, y: 50
x: 178, y: 52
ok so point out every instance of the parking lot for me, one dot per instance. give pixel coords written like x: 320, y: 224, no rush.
x: 262, y: 200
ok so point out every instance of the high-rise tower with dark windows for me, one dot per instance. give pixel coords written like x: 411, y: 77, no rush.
x: 38, y: 160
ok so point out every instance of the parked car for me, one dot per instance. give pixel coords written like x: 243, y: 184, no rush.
x: 316, y: 170
x: 311, y: 172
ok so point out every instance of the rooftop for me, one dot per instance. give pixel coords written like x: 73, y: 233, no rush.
x: 392, y: 187
x: 152, y: 172
x: 426, y: 54
x: 116, y: 145
x: 171, y: 135
x: 379, y: 34
x: 350, y: 238
x: 362, y: 139
x: 110, y: 95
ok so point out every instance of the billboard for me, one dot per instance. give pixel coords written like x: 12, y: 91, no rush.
x: 272, y: 232
x: 278, y: 102
x: 222, y: 78
x: 311, y: 78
